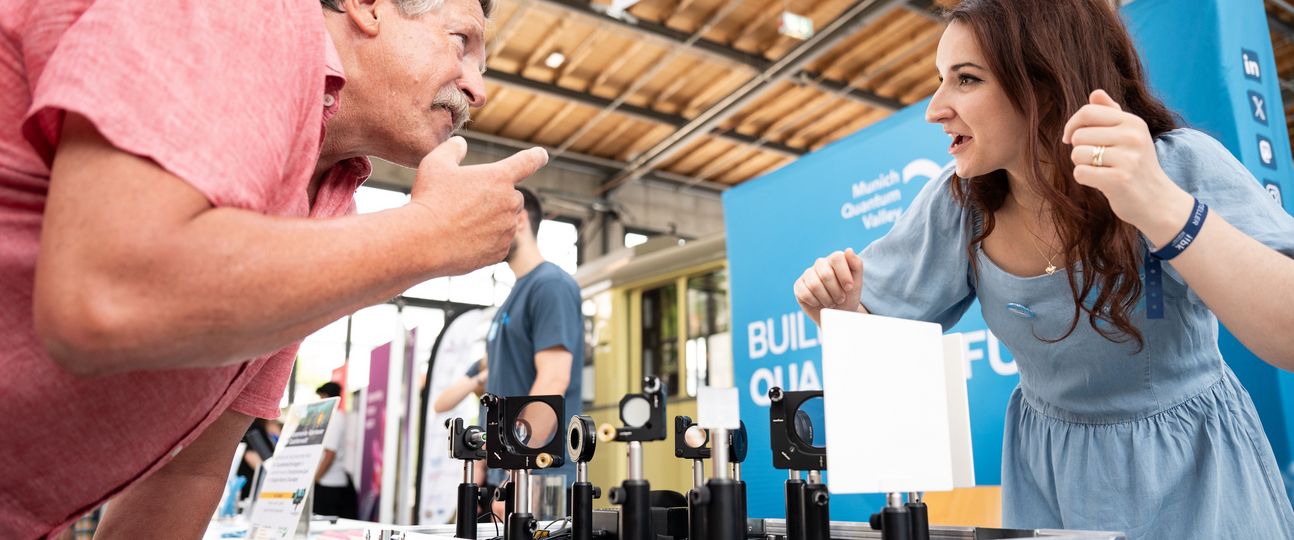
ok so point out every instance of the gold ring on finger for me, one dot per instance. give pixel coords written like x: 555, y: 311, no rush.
x: 1098, y: 156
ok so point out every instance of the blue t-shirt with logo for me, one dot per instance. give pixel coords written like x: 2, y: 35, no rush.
x: 543, y: 311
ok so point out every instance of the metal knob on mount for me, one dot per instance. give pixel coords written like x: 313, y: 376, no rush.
x: 699, y: 496
x: 617, y: 495
x: 607, y: 433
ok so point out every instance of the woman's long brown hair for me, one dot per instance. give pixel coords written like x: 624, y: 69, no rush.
x: 1049, y: 55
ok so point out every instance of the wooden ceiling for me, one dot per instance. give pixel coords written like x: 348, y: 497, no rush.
x: 1280, y: 20
x: 707, y: 93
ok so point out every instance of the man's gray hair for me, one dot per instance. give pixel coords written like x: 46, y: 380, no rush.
x: 413, y: 8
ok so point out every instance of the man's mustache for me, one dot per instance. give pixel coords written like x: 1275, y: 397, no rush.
x: 455, y: 101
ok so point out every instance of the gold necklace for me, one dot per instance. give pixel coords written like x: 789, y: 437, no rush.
x: 1051, y: 267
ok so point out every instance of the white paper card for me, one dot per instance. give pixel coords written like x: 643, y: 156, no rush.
x: 886, y: 404
x: 959, y: 433
x: 276, y: 514
x: 718, y: 408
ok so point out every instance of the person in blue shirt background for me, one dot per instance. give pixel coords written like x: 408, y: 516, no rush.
x: 1071, y: 183
x: 535, y: 345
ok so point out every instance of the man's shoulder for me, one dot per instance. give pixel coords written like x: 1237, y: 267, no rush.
x: 549, y: 273
x: 550, y: 284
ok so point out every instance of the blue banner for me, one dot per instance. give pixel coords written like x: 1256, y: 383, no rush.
x: 1212, y: 65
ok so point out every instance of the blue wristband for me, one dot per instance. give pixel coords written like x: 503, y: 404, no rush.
x: 1186, y: 235
x: 1154, y: 268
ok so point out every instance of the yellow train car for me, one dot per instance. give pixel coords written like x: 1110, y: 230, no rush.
x: 662, y: 308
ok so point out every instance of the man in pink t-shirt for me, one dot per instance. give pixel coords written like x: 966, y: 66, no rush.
x: 176, y: 213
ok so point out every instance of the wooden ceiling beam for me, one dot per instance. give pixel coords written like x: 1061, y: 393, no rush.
x: 619, y: 62
x: 678, y: 10
x: 578, y: 55
x: 660, y: 99
x: 541, y: 51
x: 520, y: 115
x: 747, y: 34
x: 708, y: 48
x: 610, y: 138
x: 647, y: 137
x: 500, y: 38
x: 509, y: 80
x: 866, y: 46
x: 556, y: 120
x: 682, y: 182
x: 856, y: 16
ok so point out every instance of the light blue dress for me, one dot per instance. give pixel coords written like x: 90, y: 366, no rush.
x: 1163, y: 443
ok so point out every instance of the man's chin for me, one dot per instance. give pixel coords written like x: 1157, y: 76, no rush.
x: 415, y: 150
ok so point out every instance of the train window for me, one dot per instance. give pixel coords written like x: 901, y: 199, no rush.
x: 633, y: 239
x: 660, y: 334
x: 707, y: 328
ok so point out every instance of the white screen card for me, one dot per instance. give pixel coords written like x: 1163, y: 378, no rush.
x: 886, y: 406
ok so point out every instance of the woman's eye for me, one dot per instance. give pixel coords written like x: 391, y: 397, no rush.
x: 966, y: 79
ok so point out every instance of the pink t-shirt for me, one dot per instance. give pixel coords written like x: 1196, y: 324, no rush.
x: 230, y: 102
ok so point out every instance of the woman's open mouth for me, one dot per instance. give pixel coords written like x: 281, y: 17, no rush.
x: 959, y: 142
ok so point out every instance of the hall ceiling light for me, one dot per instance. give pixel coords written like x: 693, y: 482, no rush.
x: 555, y: 59
x: 795, y: 26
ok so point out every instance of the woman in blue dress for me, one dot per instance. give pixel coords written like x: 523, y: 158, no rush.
x: 1068, y: 175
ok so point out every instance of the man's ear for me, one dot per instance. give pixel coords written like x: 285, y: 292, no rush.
x: 363, y: 15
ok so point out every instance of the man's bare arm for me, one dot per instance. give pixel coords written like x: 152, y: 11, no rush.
x: 552, y: 376
x: 177, y: 501
x: 137, y: 270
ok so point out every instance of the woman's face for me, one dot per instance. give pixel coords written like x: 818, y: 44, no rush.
x: 987, y: 132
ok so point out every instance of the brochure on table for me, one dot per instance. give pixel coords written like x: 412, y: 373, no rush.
x: 290, y: 474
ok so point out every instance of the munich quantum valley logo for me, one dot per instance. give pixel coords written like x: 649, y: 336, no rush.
x: 879, y: 201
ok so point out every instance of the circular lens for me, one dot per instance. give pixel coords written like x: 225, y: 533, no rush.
x: 536, y: 425
x: 695, y: 437
x: 803, y: 426
x: 809, y: 422
x: 521, y: 431
x: 635, y: 412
